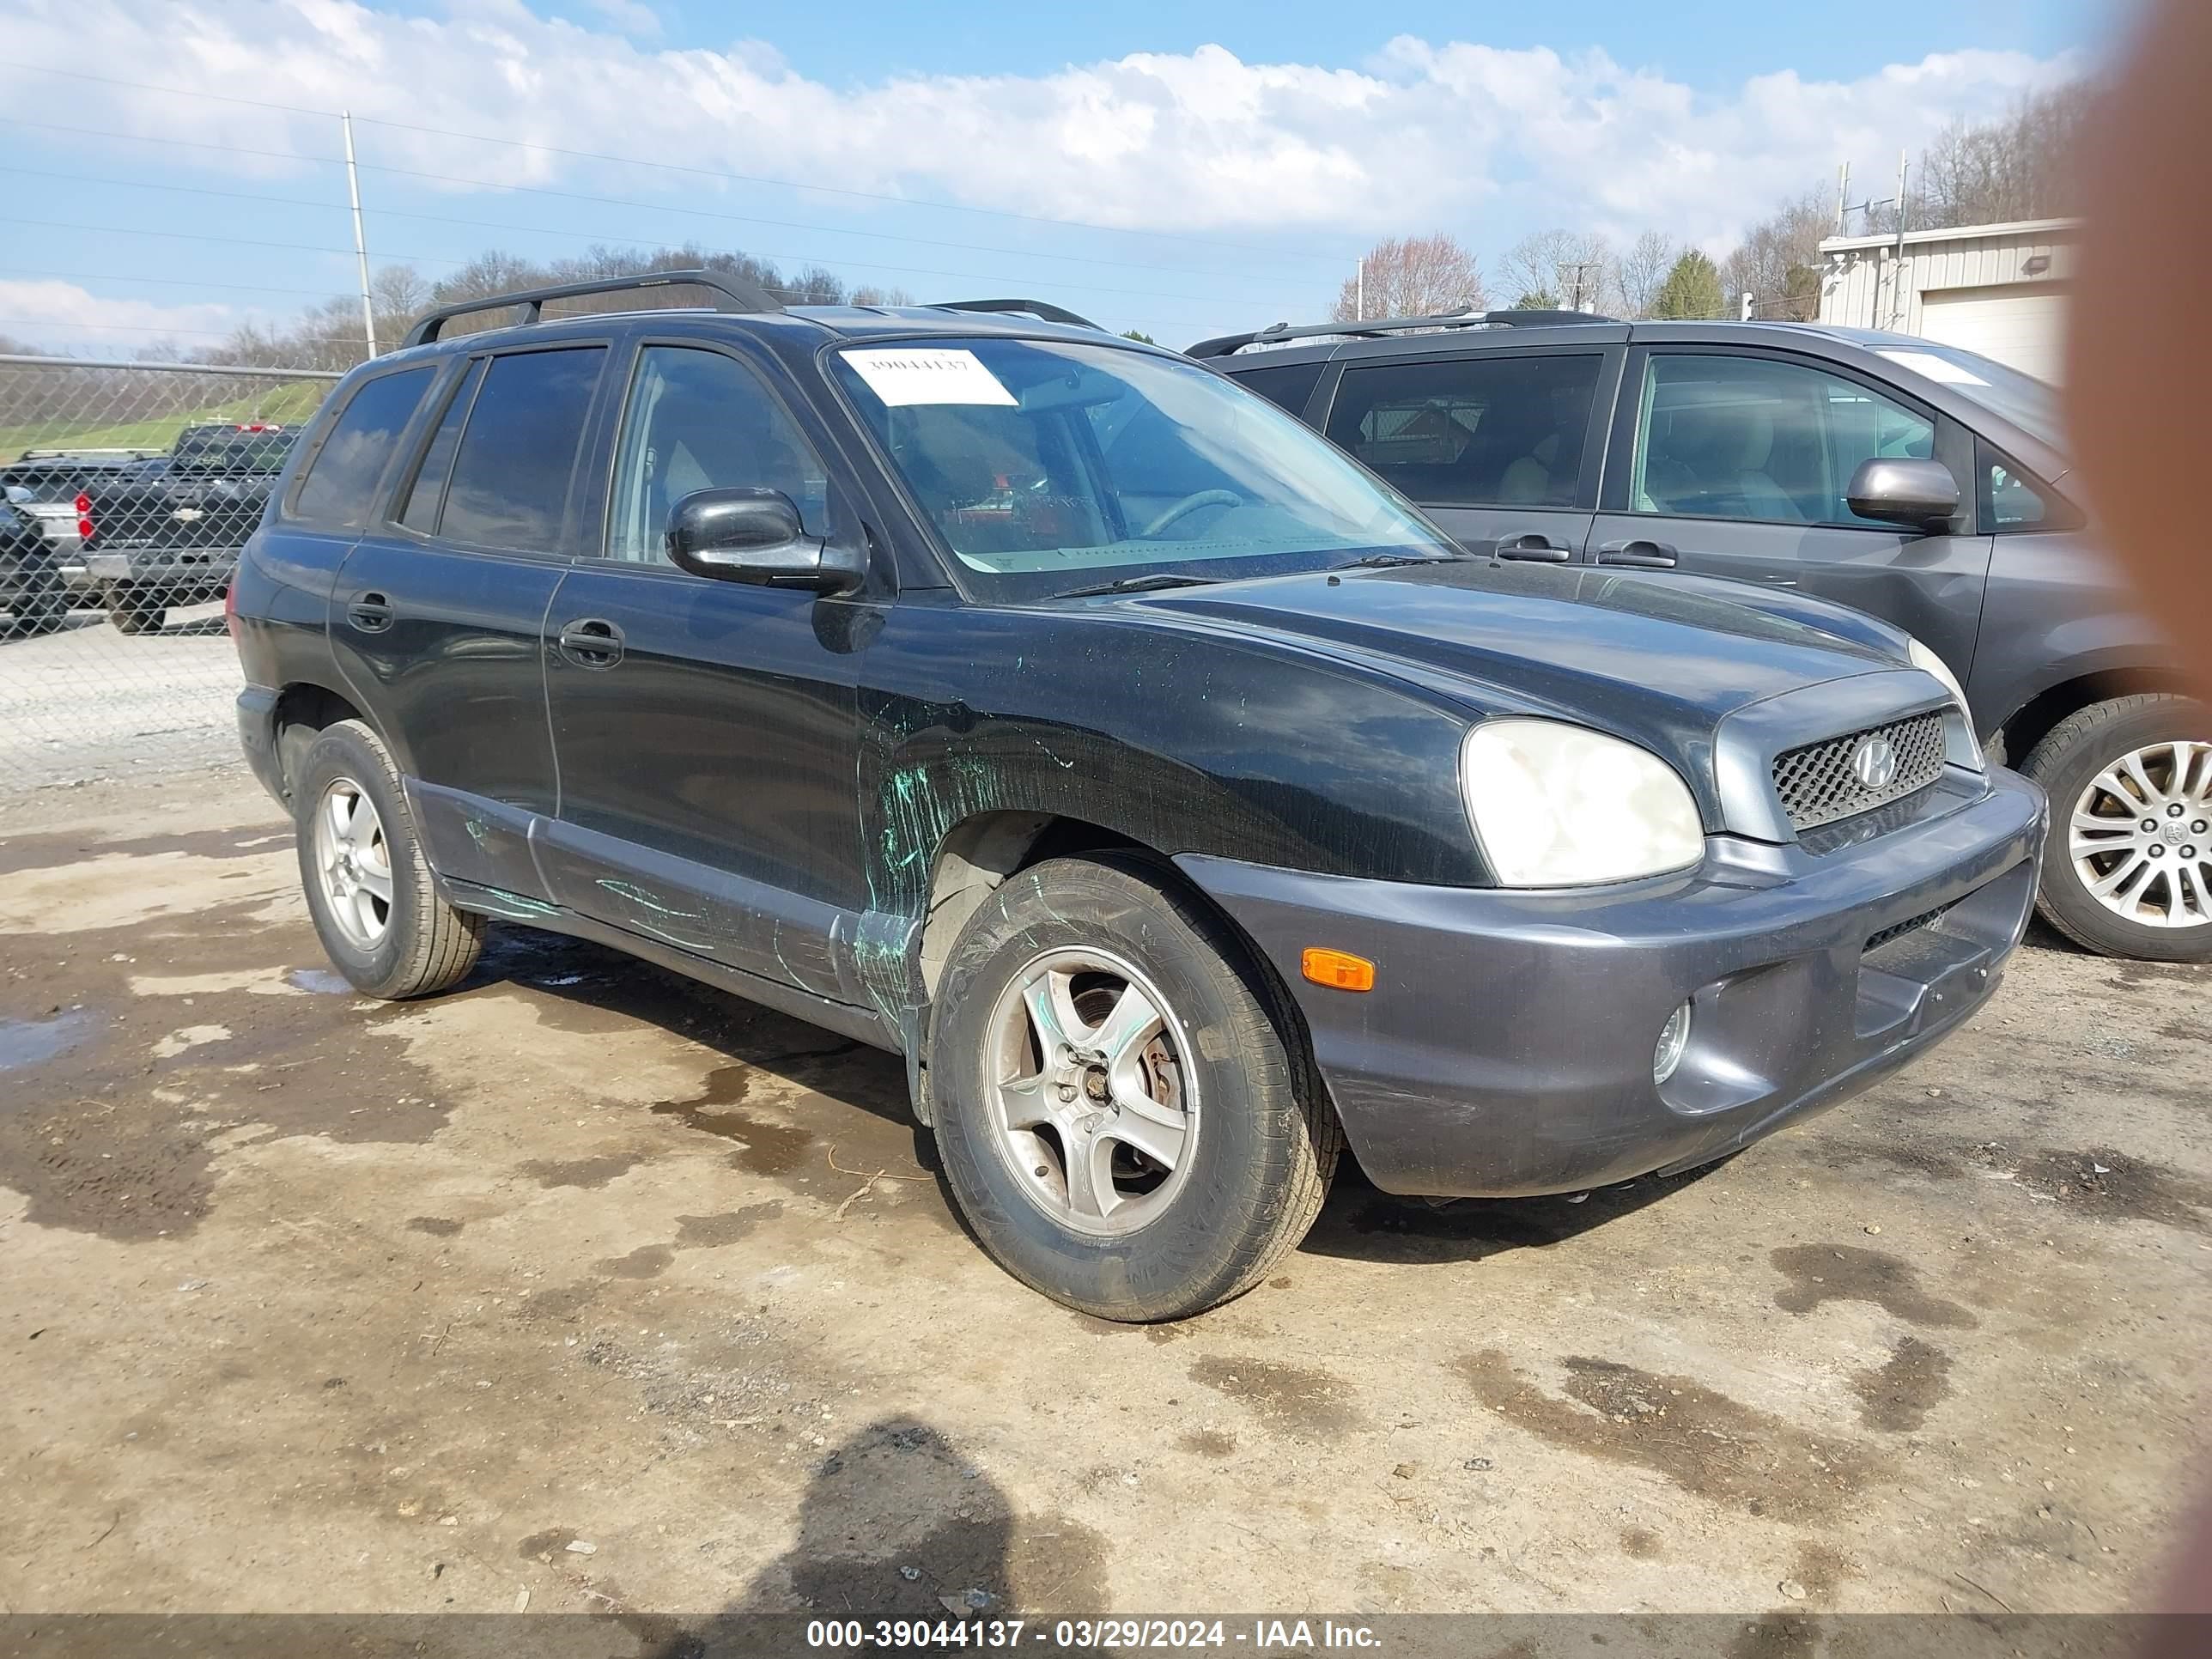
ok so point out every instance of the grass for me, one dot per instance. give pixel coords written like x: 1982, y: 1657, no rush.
x: 287, y: 403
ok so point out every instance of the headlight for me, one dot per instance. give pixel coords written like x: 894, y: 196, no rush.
x: 1924, y: 658
x: 1555, y: 805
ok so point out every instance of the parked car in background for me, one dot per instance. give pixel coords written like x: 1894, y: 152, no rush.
x: 32, y: 592
x: 1925, y: 484
x: 167, y: 532
x: 1040, y: 706
x: 53, y: 479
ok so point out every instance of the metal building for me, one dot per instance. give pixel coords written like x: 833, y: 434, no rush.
x: 1997, y: 289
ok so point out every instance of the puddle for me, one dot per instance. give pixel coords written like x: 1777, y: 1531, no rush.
x: 25, y: 1042
x: 321, y: 981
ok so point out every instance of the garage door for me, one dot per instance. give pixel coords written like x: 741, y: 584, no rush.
x: 2020, y: 324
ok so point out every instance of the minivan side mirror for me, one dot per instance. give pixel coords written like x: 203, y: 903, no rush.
x: 1897, y: 489
x: 752, y: 535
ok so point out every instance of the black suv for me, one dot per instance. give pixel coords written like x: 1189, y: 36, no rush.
x: 1924, y: 483
x: 1043, y: 707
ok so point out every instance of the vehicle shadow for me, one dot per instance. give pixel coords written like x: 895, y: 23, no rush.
x: 1361, y: 1222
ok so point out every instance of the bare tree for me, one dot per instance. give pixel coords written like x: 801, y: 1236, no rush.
x: 2014, y: 167
x: 1575, y: 266
x: 869, y: 294
x: 1778, y: 261
x: 1641, y: 268
x: 1412, y: 277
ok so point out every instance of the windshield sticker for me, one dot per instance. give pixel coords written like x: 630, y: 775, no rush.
x: 1934, y: 367
x: 928, y: 374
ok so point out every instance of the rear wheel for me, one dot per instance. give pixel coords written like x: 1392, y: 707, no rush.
x: 44, y: 606
x: 134, y: 612
x: 2129, y: 869
x: 368, y: 887
x: 1124, y: 1108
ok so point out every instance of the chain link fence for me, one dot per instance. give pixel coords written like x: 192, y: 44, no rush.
x: 130, y: 488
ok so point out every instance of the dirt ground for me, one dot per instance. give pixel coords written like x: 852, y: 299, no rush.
x: 585, y: 1288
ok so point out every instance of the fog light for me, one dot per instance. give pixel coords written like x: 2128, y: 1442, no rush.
x: 1674, y: 1037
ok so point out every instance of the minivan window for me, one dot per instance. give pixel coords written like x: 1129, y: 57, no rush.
x: 345, y: 470
x: 699, y: 420
x: 1497, y: 429
x: 1043, y: 463
x: 1761, y: 439
x: 510, y: 481
x: 1286, y: 385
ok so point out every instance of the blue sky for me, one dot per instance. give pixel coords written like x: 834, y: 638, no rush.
x: 1225, y: 163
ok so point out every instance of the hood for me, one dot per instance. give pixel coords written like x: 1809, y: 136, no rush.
x: 1605, y: 646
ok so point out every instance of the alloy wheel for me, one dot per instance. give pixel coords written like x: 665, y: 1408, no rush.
x: 353, y: 860
x: 2140, y: 836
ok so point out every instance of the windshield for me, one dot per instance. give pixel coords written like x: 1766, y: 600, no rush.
x: 228, y: 452
x: 1048, y: 465
x: 2029, y: 404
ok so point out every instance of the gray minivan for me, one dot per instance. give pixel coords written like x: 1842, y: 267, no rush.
x: 1927, y: 485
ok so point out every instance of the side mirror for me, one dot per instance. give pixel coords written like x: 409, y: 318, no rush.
x: 749, y: 534
x: 1919, y: 495
x: 21, y: 494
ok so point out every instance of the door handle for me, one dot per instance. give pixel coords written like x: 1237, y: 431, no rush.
x: 1534, y: 546
x: 1638, y: 551
x: 590, y: 642
x: 370, y: 612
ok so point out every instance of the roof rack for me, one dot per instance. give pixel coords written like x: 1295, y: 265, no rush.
x: 737, y: 296
x: 1044, y: 310
x: 1228, y: 344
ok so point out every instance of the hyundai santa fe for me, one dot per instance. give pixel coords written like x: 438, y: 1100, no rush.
x: 1175, y: 798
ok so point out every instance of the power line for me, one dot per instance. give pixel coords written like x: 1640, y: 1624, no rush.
x: 595, y: 236
x: 675, y: 166
x: 608, y: 201
x: 159, y: 281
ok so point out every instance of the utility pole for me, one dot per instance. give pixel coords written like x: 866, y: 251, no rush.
x: 360, y: 244
x: 1359, y: 290
x: 1897, y: 278
x: 1843, y: 197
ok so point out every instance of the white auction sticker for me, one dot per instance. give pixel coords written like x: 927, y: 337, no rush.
x: 928, y: 374
x: 1935, y: 367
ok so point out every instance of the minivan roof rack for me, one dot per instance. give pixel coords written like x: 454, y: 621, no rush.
x: 737, y: 294
x: 1043, y: 310
x: 1228, y: 344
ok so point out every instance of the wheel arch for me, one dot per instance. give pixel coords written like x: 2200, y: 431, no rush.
x: 2034, y: 720
x: 303, y: 709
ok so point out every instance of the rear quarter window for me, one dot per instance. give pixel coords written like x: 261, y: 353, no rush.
x: 341, y: 481
x: 1286, y: 385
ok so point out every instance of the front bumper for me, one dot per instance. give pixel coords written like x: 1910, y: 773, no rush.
x: 1506, y: 1048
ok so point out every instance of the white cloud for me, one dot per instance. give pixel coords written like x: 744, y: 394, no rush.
x: 63, y: 315
x: 1482, y: 141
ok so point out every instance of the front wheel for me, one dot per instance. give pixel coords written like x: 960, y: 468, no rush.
x: 2129, y: 869
x: 1125, y: 1109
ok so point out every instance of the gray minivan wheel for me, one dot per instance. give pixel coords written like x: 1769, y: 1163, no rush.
x: 369, y: 889
x: 1124, y: 1107
x: 2128, y: 871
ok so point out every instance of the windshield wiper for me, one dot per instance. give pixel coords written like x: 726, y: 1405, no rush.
x: 1137, y: 585
x: 1384, y: 561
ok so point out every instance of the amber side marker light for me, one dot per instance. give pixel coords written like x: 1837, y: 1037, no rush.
x: 1338, y: 969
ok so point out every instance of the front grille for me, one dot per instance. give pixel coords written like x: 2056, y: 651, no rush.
x: 1818, y: 784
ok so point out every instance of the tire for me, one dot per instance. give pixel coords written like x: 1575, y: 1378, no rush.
x: 132, y: 613
x: 2167, y: 911
x: 411, y: 944
x: 46, y: 608
x: 1258, y: 1142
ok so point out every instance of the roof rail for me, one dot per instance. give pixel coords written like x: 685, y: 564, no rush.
x: 1228, y: 344
x: 737, y: 296
x: 1044, y: 310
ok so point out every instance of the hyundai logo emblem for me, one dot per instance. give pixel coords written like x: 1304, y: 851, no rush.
x: 1874, y: 763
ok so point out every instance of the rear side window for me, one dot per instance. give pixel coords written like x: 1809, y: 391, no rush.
x: 343, y: 477
x: 510, y: 481
x: 1287, y: 385
x: 1492, y: 431
x: 428, y: 493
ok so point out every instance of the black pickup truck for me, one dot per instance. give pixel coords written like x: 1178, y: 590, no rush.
x: 169, y: 533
